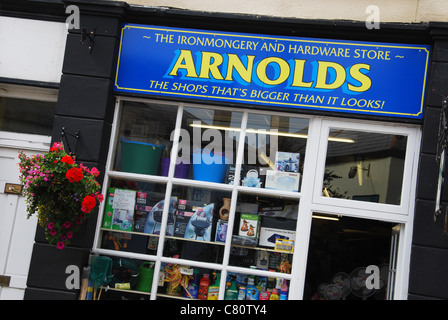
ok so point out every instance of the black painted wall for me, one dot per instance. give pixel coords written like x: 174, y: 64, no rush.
x: 429, y: 257
x: 86, y: 103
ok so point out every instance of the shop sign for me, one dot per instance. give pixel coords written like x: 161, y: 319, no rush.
x: 381, y: 79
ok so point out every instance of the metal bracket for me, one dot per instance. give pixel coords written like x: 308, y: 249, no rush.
x: 76, y: 136
x: 88, y: 35
x: 441, y: 154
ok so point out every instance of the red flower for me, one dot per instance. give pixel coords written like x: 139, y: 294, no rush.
x: 68, y: 160
x: 74, y: 174
x: 88, y: 204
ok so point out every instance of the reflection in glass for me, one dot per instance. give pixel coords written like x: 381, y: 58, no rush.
x: 274, y: 152
x: 340, y: 250
x: 365, y: 166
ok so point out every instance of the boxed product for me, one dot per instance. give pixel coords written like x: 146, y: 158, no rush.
x: 119, y: 209
x: 221, y: 230
x: 123, y: 206
x: 108, y: 209
x: 140, y: 216
x: 287, y: 161
x: 181, y: 222
x: 273, y: 228
x: 199, y: 226
x: 253, y: 176
x: 154, y: 218
x: 283, y: 181
x: 249, y: 225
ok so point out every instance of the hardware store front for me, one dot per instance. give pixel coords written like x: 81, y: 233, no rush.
x: 248, y: 160
x: 259, y: 202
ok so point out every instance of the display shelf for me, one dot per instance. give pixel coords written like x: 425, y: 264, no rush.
x: 171, y: 296
x: 126, y: 290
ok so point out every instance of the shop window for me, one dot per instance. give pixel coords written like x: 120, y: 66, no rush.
x: 27, y: 116
x: 230, y: 193
x: 341, y: 250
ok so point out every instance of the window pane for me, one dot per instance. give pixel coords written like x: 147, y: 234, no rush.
x: 144, y: 138
x: 198, y: 228
x: 27, y: 116
x: 264, y: 233
x: 132, y: 216
x: 365, y: 166
x: 274, y: 152
x: 209, y: 141
x: 340, y: 250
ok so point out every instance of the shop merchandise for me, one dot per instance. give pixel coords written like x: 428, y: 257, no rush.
x: 252, y: 292
x: 204, y: 283
x: 154, y: 219
x: 231, y: 292
x: 213, y: 289
x: 193, y: 286
x: 274, y: 295
x: 249, y: 225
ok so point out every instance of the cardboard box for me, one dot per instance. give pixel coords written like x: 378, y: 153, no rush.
x: 253, y: 176
x: 287, y: 161
x: 123, y: 205
x: 221, y: 230
x: 108, y: 209
x: 140, y: 216
x: 199, y: 226
x: 283, y: 181
x: 273, y: 228
x: 181, y: 223
x: 154, y: 218
x: 249, y: 225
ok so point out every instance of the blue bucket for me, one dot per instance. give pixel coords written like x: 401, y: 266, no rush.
x: 208, y: 166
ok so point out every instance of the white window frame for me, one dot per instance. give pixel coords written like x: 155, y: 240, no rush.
x: 310, y: 196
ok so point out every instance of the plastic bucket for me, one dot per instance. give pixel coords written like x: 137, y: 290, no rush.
x: 140, y: 157
x: 181, y: 170
x: 208, y: 166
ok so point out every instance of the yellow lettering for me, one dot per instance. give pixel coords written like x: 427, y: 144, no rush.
x: 208, y: 66
x: 184, y: 61
x: 322, y: 71
x: 284, y: 70
x: 356, y: 74
x: 298, y: 75
x: 235, y: 63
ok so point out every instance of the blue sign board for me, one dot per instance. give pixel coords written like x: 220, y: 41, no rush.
x: 383, y: 79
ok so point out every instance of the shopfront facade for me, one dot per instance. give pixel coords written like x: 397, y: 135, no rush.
x: 298, y: 154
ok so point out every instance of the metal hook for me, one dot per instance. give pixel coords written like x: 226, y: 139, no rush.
x: 76, y: 136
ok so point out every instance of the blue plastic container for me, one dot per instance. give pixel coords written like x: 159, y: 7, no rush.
x: 208, y: 166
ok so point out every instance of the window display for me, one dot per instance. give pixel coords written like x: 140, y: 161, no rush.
x: 216, y: 203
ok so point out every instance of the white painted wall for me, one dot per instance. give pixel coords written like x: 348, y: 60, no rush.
x: 31, y: 49
x: 412, y: 11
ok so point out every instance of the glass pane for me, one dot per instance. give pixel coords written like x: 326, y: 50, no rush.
x: 27, y: 116
x: 209, y: 141
x: 144, y: 138
x: 264, y: 233
x: 197, y: 283
x: 240, y: 286
x: 129, y: 279
x: 131, y: 219
x: 340, y: 250
x: 199, y: 226
x: 274, y: 152
x: 364, y: 166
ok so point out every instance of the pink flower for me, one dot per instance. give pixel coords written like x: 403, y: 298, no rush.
x: 50, y: 225
x: 53, y: 232
x: 60, y: 245
x: 69, y: 234
x: 67, y: 224
x: 95, y: 172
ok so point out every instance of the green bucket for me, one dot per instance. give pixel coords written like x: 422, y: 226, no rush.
x: 146, y: 274
x: 140, y: 157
